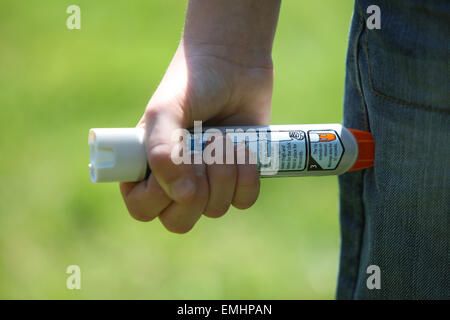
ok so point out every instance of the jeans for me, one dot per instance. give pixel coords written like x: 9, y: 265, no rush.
x: 396, y: 215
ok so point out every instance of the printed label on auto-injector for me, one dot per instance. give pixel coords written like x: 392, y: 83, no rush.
x: 291, y: 146
x: 292, y: 150
x: 326, y: 150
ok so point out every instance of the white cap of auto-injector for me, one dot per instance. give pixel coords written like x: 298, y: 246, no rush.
x: 117, y: 154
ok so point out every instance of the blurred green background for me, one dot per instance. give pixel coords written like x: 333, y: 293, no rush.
x: 57, y: 83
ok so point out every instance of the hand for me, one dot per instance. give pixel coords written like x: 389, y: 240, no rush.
x: 220, y: 84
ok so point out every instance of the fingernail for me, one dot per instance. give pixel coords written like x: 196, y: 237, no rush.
x: 182, y: 189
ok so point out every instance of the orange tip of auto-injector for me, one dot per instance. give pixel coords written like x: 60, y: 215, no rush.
x: 366, y: 150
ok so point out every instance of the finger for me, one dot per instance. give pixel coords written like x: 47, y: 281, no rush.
x: 145, y: 200
x: 221, y: 176
x: 222, y: 181
x: 247, y: 184
x: 177, y: 180
x: 180, y: 218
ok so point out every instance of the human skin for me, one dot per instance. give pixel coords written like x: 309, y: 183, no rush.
x: 221, y: 74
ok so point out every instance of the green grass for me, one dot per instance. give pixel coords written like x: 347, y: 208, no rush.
x: 55, y: 84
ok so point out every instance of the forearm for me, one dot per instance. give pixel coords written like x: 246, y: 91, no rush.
x: 241, y: 29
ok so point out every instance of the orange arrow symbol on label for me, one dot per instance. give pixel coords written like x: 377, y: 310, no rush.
x: 326, y: 136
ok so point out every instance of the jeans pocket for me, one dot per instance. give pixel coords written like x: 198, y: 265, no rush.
x: 409, y: 66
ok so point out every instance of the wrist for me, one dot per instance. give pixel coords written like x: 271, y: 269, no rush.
x: 242, y: 56
x: 237, y: 30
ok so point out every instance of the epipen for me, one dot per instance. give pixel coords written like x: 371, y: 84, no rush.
x: 119, y: 154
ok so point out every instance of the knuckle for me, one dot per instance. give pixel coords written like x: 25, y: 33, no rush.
x: 178, y: 228
x: 151, y: 113
x: 242, y: 205
x: 140, y: 215
x: 245, y: 201
x: 215, y: 212
x: 159, y: 154
x: 137, y: 212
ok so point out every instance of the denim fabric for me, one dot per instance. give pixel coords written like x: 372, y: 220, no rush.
x: 396, y: 214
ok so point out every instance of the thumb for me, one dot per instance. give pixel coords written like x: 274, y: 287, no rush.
x: 177, y: 180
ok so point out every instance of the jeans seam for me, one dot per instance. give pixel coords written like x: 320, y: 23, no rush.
x: 393, y: 99
x: 358, y: 76
x: 364, y: 173
x: 363, y: 106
